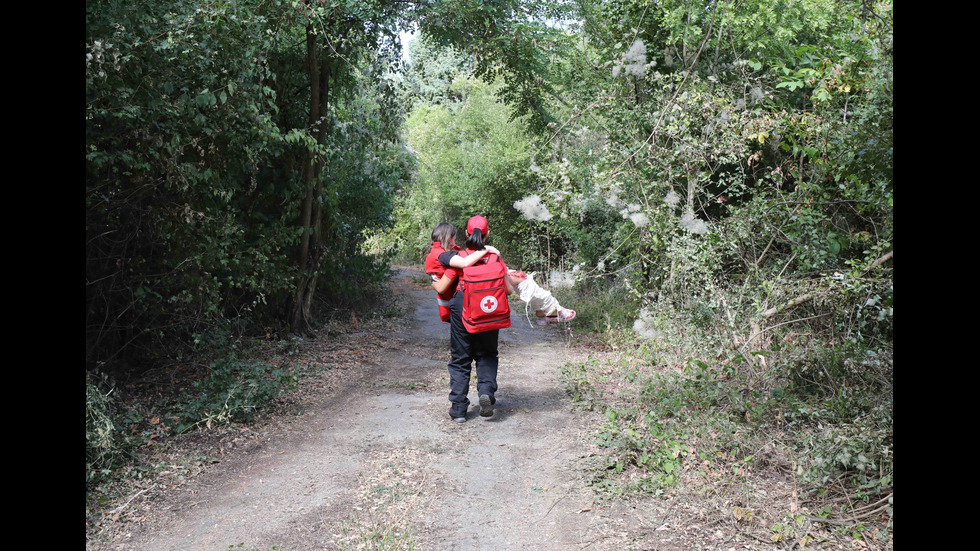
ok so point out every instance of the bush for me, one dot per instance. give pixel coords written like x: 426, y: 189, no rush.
x: 827, y: 399
x: 602, y: 308
x: 645, y: 442
x: 107, y: 445
x: 233, y: 390
x: 99, y: 439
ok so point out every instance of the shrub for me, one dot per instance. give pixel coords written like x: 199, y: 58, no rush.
x: 233, y: 390
x: 100, y: 446
x: 603, y: 308
x: 107, y: 444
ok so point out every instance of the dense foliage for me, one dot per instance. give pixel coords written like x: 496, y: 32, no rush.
x: 235, y: 155
x: 207, y: 177
x: 717, y: 175
x: 239, y: 158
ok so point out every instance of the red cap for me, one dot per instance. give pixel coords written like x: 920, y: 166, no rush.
x: 477, y: 222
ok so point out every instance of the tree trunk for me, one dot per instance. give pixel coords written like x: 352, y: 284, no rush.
x: 309, y: 245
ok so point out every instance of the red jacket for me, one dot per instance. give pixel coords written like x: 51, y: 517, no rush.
x: 435, y: 268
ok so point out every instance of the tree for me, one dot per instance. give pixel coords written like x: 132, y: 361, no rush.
x: 431, y: 71
x: 505, y: 39
x: 224, y: 145
x: 472, y: 159
x: 179, y: 115
x: 212, y: 187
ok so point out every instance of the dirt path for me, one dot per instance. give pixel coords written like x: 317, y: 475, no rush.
x: 379, y: 465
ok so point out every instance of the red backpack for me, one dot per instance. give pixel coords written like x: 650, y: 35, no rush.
x: 485, y: 306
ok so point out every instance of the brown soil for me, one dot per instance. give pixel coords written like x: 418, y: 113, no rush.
x: 364, y: 456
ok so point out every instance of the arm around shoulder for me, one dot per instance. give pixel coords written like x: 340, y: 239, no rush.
x: 458, y: 261
x: 444, y: 284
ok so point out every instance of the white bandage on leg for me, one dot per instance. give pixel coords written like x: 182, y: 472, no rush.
x: 536, y: 297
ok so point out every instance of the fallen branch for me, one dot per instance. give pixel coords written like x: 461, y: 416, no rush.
x: 130, y: 500
x: 884, y: 258
x: 755, y: 325
x: 859, y: 514
x: 806, y: 297
x: 811, y: 295
x: 791, y: 304
x: 111, y: 514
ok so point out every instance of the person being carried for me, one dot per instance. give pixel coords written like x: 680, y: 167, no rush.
x: 545, y: 305
x: 444, y: 240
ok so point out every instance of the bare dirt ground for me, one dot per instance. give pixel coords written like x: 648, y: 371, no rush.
x: 364, y: 456
x: 373, y: 457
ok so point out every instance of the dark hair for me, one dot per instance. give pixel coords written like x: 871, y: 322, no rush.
x: 444, y: 233
x: 474, y: 241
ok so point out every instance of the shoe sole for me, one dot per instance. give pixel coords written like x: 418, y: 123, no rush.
x: 486, y: 408
x: 556, y: 319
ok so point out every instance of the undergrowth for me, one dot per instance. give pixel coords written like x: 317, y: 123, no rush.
x: 816, y: 408
x: 122, y: 418
x: 229, y: 379
x: 233, y: 390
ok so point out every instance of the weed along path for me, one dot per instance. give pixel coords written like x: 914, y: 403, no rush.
x: 367, y: 457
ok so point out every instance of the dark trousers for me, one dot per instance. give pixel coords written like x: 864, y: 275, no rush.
x: 465, y: 349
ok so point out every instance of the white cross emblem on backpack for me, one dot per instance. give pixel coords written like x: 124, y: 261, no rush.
x: 488, y: 304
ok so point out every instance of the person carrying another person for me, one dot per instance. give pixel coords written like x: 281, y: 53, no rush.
x: 469, y: 346
x: 465, y: 347
x: 443, y: 240
x: 546, y: 307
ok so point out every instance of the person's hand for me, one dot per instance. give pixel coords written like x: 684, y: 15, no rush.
x: 492, y: 249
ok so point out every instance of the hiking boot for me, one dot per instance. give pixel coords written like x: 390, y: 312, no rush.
x: 486, y: 406
x: 459, y: 419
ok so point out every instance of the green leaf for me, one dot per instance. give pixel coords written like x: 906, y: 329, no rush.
x: 834, y: 246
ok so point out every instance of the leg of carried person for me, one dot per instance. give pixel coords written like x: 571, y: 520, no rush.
x: 545, y: 304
